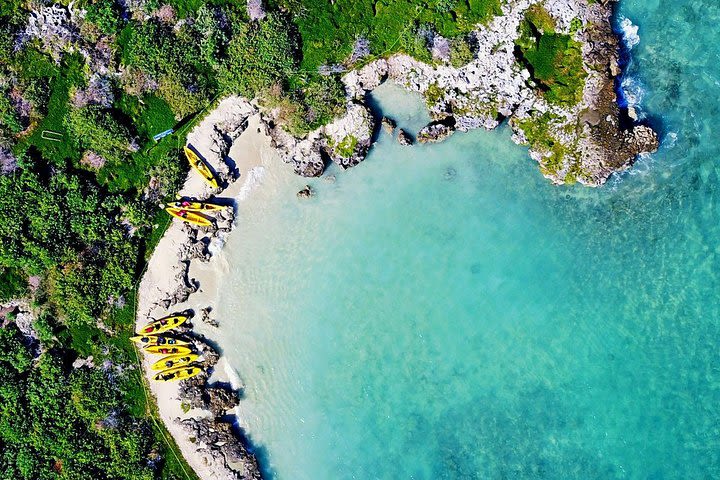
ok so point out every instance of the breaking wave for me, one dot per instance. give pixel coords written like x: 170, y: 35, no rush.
x: 629, y: 33
x: 254, y: 176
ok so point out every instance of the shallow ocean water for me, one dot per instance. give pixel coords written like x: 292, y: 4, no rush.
x: 444, y: 312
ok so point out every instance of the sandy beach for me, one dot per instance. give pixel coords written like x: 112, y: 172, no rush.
x: 252, y: 156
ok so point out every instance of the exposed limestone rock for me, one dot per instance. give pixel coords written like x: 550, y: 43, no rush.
x: 255, y: 9
x: 220, y: 400
x: 206, y: 319
x: 307, y: 157
x: 404, y: 139
x: 359, y: 82
x: 185, y: 286
x: 217, y: 439
x: 54, y: 26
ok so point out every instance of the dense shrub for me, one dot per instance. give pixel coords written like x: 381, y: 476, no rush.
x: 59, y: 422
x: 260, y: 54
x: 329, y: 29
x: 104, y: 15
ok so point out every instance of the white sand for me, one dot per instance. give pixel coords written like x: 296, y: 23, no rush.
x: 252, y: 153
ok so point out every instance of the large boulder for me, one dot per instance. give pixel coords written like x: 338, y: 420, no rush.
x: 350, y: 137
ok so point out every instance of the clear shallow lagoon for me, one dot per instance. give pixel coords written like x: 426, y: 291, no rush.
x: 444, y: 312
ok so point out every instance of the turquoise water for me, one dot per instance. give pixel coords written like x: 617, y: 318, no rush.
x: 445, y: 312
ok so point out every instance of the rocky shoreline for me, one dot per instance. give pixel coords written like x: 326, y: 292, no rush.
x: 586, y: 142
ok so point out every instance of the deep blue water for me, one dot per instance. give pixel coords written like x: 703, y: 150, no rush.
x: 444, y: 312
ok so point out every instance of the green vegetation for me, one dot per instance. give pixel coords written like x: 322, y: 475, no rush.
x: 346, y: 147
x: 433, y: 94
x: 460, y: 52
x: 95, y: 128
x: 537, y: 131
x: 554, y: 59
x: 329, y: 29
x: 12, y: 284
x: 260, y: 55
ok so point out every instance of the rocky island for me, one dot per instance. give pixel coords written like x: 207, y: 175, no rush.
x: 88, y: 87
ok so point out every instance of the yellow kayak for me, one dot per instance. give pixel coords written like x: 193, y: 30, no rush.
x: 190, y: 217
x: 201, y: 167
x: 158, y: 340
x: 174, y: 361
x: 167, y: 350
x: 191, y: 206
x: 163, y: 324
x: 178, y: 373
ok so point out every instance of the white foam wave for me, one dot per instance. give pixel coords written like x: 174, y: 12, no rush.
x: 633, y: 91
x: 671, y: 140
x: 254, y: 176
x: 630, y: 32
x: 232, y: 375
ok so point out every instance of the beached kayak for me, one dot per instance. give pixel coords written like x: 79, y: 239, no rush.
x: 190, y: 217
x: 158, y: 340
x: 167, y: 350
x: 192, y: 206
x: 201, y: 167
x: 174, y: 361
x: 177, y: 373
x: 163, y: 324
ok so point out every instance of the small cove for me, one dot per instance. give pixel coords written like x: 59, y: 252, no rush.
x: 445, y: 312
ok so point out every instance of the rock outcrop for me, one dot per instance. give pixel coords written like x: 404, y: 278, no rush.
x: 404, y: 139
x: 435, y: 132
x: 585, y: 142
x: 388, y: 125
x: 218, y: 442
x: 306, y: 192
x: 345, y: 141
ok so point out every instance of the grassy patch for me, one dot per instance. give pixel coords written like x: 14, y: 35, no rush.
x: 161, y: 222
x: 149, y: 115
x: 70, y: 74
x: 540, y: 19
x: 554, y: 59
x: 329, y: 30
x: 346, y: 147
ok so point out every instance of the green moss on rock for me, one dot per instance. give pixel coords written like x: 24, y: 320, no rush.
x: 554, y: 59
x: 346, y: 147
